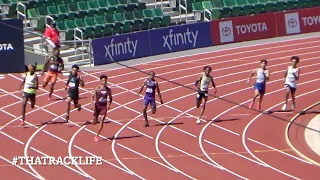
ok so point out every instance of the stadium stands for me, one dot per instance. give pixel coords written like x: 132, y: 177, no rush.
x: 95, y: 18
x: 230, y: 8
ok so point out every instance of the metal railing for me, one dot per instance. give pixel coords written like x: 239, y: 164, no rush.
x: 184, y: 8
x: 205, y: 17
x: 81, y: 39
x: 23, y: 14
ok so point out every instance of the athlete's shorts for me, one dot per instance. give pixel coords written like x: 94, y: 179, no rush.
x: 99, y: 110
x: 202, y: 94
x: 292, y: 88
x: 74, y: 97
x: 261, y: 87
x: 51, y: 76
x: 31, y: 96
x: 149, y: 100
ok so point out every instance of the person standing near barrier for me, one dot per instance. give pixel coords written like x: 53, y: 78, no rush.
x: 263, y: 75
x: 55, y: 65
x: 52, y: 38
x: 31, y: 85
x: 291, y: 77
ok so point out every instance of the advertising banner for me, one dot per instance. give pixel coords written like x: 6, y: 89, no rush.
x: 11, y: 46
x: 178, y: 38
x: 244, y: 28
x: 298, y: 21
x: 121, y: 47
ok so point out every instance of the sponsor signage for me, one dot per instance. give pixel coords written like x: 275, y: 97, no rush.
x: 121, y: 47
x: 298, y: 21
x: 244, y: 28
x: 178, y: 38
x: 11, y: 46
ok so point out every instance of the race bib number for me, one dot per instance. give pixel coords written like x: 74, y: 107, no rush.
x: 53, y: 66
x: 149, y: 90
x: 29, y: 86
x: 102, y: 99
x: 72, y: 85
x: 205, y: 86
x: 291, y: 79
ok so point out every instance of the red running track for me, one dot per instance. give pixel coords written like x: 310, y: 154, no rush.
x: 233, y: 142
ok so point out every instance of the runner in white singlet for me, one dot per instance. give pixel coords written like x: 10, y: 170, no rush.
x: 205, y: 79
x: 263, y: 75
x: 291, y: 77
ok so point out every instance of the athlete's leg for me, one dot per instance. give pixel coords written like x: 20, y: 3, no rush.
x: 153, y: 106
x: 23, y: 112
x: 284, y: 107
x: 76, y: 102
x: 203, y: 108
x: 256, y: 94
x: 53, y: 82
x: 69, y: 99
x: 96, y: 112
x: 101, y: 117
x: 293, y: 96
x: 199, y: 99
x: 33, y: 100
x: 144, y: 111
x: 46, y: 80
x: 260, y: 100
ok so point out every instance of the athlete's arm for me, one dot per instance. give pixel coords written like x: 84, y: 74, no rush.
x: 144, y: 83
x: 159, y: 94
x: 251, y: 74
x: 93, y: 95
x: 37, y: 83
x: 24, y: 80
x: 81, y: 81
x: 197, y: 81
x: 45, y: 65
x: 213, y: 85
x: 62, y: 64
x: 110, y: 99
x: 297, y: 75
x: 268, y: 75
x: 67, y: 83
x: 286, y: 74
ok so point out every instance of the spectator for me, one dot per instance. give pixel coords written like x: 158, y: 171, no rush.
x: 52, y: 35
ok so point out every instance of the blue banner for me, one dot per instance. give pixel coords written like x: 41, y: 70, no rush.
x: 178, y: 38
x: 11, y: 46
x: 121, y: 47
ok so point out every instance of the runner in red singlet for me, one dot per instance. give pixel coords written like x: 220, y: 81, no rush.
x: 101, y: 105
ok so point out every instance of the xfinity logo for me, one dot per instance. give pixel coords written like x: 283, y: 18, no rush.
x: 6, y: 47
x: 176, y: 39
x: 121, y: 48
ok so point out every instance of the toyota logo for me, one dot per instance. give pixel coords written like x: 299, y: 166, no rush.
x: 292, y: 23
x: 226, y: 31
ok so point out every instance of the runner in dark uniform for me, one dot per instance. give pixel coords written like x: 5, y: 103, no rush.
x: 150, y: 97
x: 72, y: 85
x: 101, y: 105
x: 55, y: 65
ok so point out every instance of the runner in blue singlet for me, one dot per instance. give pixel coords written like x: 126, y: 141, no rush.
x: 151, y: 86
x: 263, y: 75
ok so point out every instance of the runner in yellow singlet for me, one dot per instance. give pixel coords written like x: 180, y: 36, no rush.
x: 30, y: 84
x: 205, y: 79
